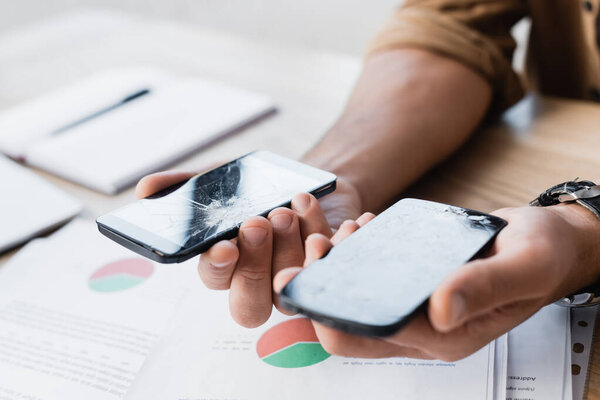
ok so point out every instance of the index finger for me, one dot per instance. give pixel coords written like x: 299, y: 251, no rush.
x: 311, y: 215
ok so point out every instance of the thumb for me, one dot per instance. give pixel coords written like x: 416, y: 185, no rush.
x: 153, y: 183
x: 316, y: 246
x: 283, y: 277
x: 481, y: 286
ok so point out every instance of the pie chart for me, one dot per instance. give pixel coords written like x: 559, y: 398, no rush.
x: 291, y: 344
x: 120, y: 275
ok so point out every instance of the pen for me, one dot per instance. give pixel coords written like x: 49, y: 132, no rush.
x: 103, y: 111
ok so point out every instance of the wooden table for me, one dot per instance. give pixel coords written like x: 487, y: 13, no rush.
x: 536, y: 144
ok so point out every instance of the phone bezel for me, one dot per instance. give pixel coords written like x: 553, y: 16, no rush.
x: 164, y: 251
x: 363, y: 329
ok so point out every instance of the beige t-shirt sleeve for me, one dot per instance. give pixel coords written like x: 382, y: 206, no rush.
x: 476, y: 33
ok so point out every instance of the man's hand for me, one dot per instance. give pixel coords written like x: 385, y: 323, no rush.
x: 541, y: 256
x: 264, y: 246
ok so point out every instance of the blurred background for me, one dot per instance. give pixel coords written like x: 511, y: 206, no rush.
x: 303, y: 57
x: 335, y: 25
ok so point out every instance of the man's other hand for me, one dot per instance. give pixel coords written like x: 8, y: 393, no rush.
x: 541, y: 256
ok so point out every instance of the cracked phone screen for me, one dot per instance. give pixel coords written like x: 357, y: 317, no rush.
x: 385, y: 270
x: 217, y: 201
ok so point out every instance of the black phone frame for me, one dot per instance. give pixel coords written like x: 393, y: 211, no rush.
x: 179, y: 253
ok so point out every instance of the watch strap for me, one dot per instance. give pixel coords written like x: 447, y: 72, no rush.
x: 587, y: 194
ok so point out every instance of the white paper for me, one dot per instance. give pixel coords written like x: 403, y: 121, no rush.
x: 170, y: 338
x: 205, y: 355
x: 537, y: 356
x: 29, y: 205
x: 500, y: 367
x: 567, y: 381
x: 67, y: 332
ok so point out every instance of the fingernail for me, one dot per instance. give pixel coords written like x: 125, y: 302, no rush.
x: 255, y: 236
x: 458, y: 308
x: 302, y: 202
x: 281, y: 222
x: 221, y: 264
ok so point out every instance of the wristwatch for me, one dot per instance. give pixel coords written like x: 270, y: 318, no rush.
x: 587, y: 194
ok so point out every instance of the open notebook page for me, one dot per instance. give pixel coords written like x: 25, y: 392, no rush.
x: 583, y: 321
x: 500, y: 367
x: 538, y: 352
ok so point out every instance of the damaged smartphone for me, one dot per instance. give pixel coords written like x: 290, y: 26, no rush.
x: 184, y: 220
x: 382, y: 275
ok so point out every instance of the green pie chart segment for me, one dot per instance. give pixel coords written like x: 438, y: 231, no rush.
x: 297, y: 355
x: 115, y: 283
x: 120, y: 275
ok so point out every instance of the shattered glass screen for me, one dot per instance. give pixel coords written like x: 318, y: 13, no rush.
x: 217, y: 201
x: 385, y: 270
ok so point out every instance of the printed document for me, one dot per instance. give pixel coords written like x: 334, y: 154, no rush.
x: 84, y: 318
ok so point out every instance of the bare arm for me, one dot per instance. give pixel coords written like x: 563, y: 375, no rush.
x: 409, y: 110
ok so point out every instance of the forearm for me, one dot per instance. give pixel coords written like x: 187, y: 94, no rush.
x: 409, y: 110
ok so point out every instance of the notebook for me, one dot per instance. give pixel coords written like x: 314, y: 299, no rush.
x: 583, y: 321
x: 110, y: 130
x: 539, y: 357
x: 29, y: 205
